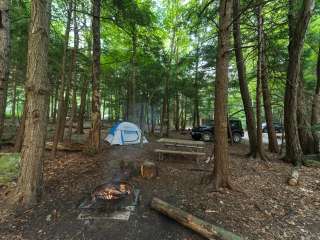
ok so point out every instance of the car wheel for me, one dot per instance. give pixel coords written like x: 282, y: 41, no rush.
x: 207, y: 136
x: 236, y: 137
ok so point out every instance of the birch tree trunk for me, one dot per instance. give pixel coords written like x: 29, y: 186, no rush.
x: 37, y: 92
x: 4, y: 59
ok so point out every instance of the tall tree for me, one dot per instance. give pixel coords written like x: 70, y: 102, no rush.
x: 95, y: 115
x: 273, y: 143
x: 37, y: 92
x: 84, y: 91
x: 73, y: 73
x: 304, y: 120
x: 299, y: 16
x: 62, y: 106
x: 315, y: 117
x: 4, y: 58
x: 260, y: 149
x: 221, y: 170
x: 244, y: 89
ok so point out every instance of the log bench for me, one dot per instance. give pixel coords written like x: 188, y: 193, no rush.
x: 162, y: 152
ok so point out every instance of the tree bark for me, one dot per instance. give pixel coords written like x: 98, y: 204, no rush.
x: 260, y: 149
x: 83, y: 97
x: 298, y: 23
x: 132, y: 108
x: 59, y: 132
x: 315, y: 117
x: 272, y: 137
x: 4, y: 59
x: 244, y: 90
x: 176, y: 112
x: 20, y: 132
x: 304, y: 120
x: 221, y: 171
x: 54, y: 113
x: 95, y: 115
x: 37, y: 92
x: 14, y: 97
x: 73, y: 80
x: 196, y: 114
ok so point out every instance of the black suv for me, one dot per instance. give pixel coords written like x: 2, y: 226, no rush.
x: 206, y: 132
x: 278, y: 127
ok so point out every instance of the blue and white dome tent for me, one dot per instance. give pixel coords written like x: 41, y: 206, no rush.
x: 125, y: 133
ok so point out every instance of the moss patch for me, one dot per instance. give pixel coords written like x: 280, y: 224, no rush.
x: 9, y: 167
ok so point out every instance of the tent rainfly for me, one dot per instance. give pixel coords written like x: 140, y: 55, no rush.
x: 125, y: 133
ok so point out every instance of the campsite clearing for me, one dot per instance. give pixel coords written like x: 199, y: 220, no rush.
x: 266, y: 209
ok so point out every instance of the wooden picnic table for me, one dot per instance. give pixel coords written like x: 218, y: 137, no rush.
x: 197, y: 147
x: 181, y: 141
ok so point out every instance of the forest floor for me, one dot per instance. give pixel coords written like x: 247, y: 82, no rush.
x: 264, y: 208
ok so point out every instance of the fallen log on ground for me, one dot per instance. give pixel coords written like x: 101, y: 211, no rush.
x: 205, y: 229
x: 311, y: 163
x: 70, y: 147
x: 294, y: 178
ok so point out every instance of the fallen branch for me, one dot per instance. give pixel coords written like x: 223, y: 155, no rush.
x: 205, y: 229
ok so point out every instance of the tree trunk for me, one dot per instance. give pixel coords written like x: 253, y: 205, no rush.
x: 14, y: 98
x: 304, y: 120
x: 83, y: 97
x: 4, y: 59
x: 273, y: 143
x: 177, y: 112
x: 132, y: 110
x: 298, y: 24
x: 62, y: 104
x: 196, y: 113
x: 221, y: 171
x: 95, y: 131
x: 152, y: 118
x: 244, y: 90
x: 260, y: 149
x: 73, y: 80
x: 165, y: 118
x: 56, y: 94
x: 315, y: 118
x: 20, y: 132
x: 37, y: 92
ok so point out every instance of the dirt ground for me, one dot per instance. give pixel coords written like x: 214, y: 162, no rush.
x: 264, y: 208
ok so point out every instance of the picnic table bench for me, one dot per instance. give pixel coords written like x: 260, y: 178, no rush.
x: 180, y: 147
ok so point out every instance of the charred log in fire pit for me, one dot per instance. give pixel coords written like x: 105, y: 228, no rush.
x: 112, y: 191
x: 110, y: 196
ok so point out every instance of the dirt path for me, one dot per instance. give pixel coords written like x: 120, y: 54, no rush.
x: 268, y: 208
